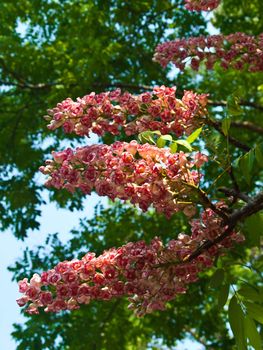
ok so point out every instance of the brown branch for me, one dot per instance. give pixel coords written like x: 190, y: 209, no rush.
x: 250, y: 208
x: 234, y: 193
x: 241, y: 103
x: 206, y: 201
x: 248, y: 125
x: 232, y: 140
x: 28, y: 85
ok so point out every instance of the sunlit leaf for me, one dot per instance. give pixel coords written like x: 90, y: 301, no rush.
x: 191, y: 138
x: 185, y: 144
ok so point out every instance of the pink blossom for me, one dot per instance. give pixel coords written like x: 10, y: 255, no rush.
x: 112, y: 111
x: 238, y: 51
x: 148, y: 274
x: 144, y: 174
x: 201, y: 5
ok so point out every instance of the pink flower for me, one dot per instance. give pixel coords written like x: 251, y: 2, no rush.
x: 201, y: 5
x: 23, y: 285
x: 231, y: 51
x: 149, y: 178
x: 112, y: 112
x: 148, y: 274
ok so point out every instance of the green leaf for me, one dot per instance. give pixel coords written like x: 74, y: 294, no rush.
x: 236, y: 320
x: 252, y: 333
x: 173, y: 147
x: 246, y: 165
x: 255, y: 311
x: 162, y: 140
x: 167, y: 137
x: 259, y: 154
x: 223, y: 295
x: 233, y: 107
x: 146, y: 137
x: 191, y: 138
x: 185, y: 144
x: 250, y: 293
x: 226, y: 125
x: 217, y: 278
x: 254, y: 228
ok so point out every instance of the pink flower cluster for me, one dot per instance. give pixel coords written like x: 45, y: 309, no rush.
x: 149, y: 275
x: 144, y: 174
x: 236, y: 51
x: 115, y: 111
x: 201, y: 5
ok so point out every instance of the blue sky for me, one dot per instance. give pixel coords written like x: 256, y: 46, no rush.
x: 52, y: 220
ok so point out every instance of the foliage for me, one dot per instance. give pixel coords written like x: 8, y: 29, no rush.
x: 76, y: 47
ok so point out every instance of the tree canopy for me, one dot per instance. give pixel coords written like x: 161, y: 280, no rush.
x: 53, y: 50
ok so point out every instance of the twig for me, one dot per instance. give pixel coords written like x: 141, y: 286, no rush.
x: 233, y: 192
x: 235, y: 142
x: 241, y: 103
x: 247, y: 125
x: 250, y: 208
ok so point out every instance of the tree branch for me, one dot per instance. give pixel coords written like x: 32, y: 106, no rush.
x: 236, y: 194
x: 28, y: 85
x: 247, y: 125
x: 235, y: 142
x: 241, y: 103
x: 250, y: 208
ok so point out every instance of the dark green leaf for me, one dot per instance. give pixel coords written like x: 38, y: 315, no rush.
x: 233, y: 106
x: 223, y: 295
x: 250, y: 293
x: 252, y: 333
x: 226, y: 125
x: 217, y: 278
x: 255, y: 311
x: 259, y: 154
x: 254, y: 228
x: 236, y: 320
x: 246, y: 165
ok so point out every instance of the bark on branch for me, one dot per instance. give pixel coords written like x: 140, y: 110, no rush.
x: 252, y: 207
x: 232, y: 140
